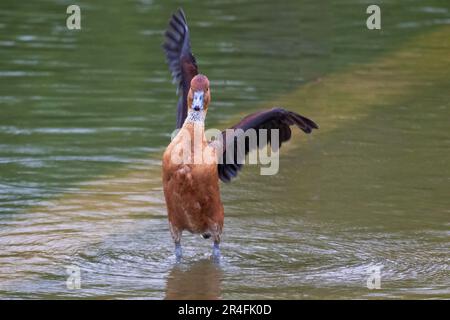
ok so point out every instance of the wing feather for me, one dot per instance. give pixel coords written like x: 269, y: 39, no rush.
x: 181, y: 61
x: 276, y: 118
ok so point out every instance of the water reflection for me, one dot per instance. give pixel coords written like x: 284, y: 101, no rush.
x: 201, y: 279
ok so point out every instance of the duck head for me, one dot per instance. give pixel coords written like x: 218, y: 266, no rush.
x: 199, y: 95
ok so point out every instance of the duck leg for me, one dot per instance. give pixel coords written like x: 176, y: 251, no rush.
x: 216, y: 249
x: 176, y: 236
x: 216, y: 231
x: 178, y: 251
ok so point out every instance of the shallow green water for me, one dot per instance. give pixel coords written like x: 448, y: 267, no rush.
x: 85, y: 116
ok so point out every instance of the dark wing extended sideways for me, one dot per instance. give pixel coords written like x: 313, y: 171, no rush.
x: 276, y: 118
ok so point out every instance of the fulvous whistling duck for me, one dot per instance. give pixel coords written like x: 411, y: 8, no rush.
x: 192, y: 190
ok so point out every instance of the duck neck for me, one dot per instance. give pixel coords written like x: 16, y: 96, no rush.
x: 195, y: 122
x: 194, y: 125
x: 195, y: 117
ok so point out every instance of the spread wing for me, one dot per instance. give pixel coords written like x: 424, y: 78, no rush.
x: 182, y: 64
x: 276, y: 118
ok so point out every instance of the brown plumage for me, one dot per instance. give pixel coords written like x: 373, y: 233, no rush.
x: 191, y: 188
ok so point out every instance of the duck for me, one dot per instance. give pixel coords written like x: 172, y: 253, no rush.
x: 192, y: 188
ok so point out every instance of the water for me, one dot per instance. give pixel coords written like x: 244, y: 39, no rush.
x: 85, y: 116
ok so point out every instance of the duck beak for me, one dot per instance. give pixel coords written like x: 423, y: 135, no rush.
x: 197, y: 103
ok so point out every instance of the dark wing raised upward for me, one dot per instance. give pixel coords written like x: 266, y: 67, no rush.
x: 276, y: 118
x: 182, y: 64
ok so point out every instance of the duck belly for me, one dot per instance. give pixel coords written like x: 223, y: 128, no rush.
x: 193, y: 198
